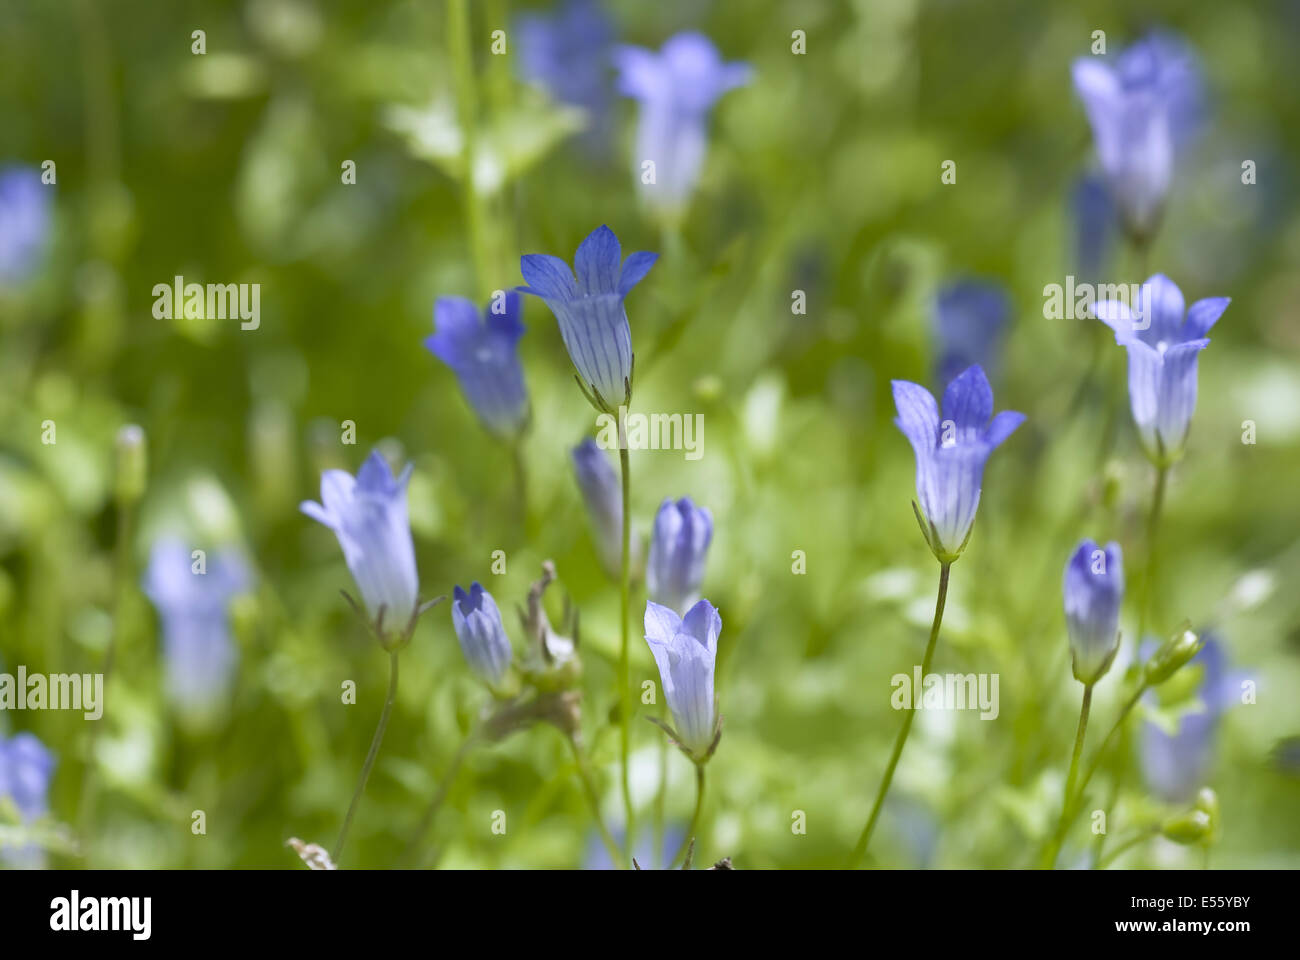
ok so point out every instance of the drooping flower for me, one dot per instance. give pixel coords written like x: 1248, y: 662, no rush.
x: 24, y: 222
x: 1094, y: 223
x: 676, y: 87
x: 1176, y: 765
x: 1142, y: 111
x: 1093, y: 589
x: 26, y: 769
x: 590, y: 310
x: 685, y: 650
x: 368, y: 514
x: 969, y: 320
x: 678, y: 550
x: 1163, y: 346
x: 568, y: 56
x: 603, y: 499
x: 193, y: 599
x: 483, y: 353
x: 951, y: 453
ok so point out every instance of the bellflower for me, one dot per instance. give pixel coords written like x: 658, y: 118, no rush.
x: 1094, y: 222
x: 1094, y: 588
x: 590, y: 310
x: 24, y: 222
x: 1176, y: 765
x: 685, y: 650
x: 1142, y: 110
x: 676, y: 88
x: 481, y: 634
x: 368, y: 514
x: 1162, y: 349
x: 568, y: 56
x: 678, y: 549
x: 951, y: 453
x: 197, y: 646
x: 969, y: 319
x: 602, y: 496
x: 26, y: 769
x: 483, y: 353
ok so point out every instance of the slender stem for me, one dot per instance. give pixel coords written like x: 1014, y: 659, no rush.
x: 1128, y: 844
x: 1153, y: 528
x: 121, y: 576
x: 695, y: 817
x: 375, y: 741
x: 865, y: 839
x: 462, y: 58
x: 1049, y: 855
x: 448, y: 778
x: 660, y: 794
x: 593, y: 798
x: 1073, y: 804
x: 624, y: 664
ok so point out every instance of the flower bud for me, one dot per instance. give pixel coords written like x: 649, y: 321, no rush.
x: 1093, y: 588
x: 132, y: 466
x: 1194, y: 826
x: 1175, y: 652
x: 481, y: 634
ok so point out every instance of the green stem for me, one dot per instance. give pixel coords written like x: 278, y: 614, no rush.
x: 1153, y: 527
x: 462, y: 59
x: 1073, y: 804
x: 624, y: 663
x: 593, y: 799
x: 448, y: 778
x: 1049, y: 855
x: 375, y: 741
x: 521, y: 482
x: 865, y: 839
x: 695, y: 817
x: 1128, y: 844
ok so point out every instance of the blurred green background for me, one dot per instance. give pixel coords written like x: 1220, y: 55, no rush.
x: 823, y: 175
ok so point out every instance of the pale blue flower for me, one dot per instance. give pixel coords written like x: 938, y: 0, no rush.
x: 482, y: 636
x: 603, y: 497
x: 1093, y: 590
x: 590, y: 310
x: 678, y: 550
x: 26, y: 769
x: 483, y: 352
x: 198, y: 649
x: 970, y: 317
x: 368, y: 514
x: 1142, y: 111
x: 24, y: 222
x: 685, y: 650
x: 1163, y: 346
x: 676, y: 88
x: 951, y: 453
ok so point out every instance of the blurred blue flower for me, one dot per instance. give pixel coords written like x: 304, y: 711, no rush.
x: 685, y: 650
x: 26, y: 769
x: 950, y: 454
x: 24, y: 221
x: 678, y: 550
x: 1142, y: 110
x: 481, y: 634
x: 197, y: 646
x: 1094, y: 589
x: 567, y: 54
x: 1094, y: 221
x: 1175, y: 766
x: 1162, y: 351
x: 368, y: 514
x: 483, y: 353
x: 647, y: 858
x: 969, y: 320
x: 603, y: 498
x: 676, y: 87
x: 590, y: 311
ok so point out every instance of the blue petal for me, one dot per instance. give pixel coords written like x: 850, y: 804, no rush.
x: 547, y: 276
x: 1003, y: 425
x: 968, y: 400
x: 1202, y: 315
x: 597, y: 262
x: 635, y: 269
x: 918, y: 415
